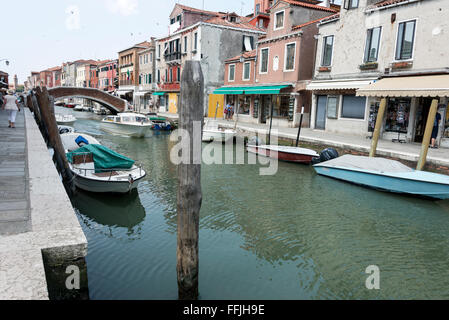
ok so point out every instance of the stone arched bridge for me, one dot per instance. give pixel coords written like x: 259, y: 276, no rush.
x: 113, y: 103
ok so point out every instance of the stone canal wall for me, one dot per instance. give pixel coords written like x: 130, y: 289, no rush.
x: 33, y: 263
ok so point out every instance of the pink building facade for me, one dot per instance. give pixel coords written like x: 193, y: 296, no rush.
x: 107, y: 75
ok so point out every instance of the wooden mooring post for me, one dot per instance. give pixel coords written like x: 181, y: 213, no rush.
x: 380, y: 119
x: 189, y: 181
x: 46, y: 111
x: 427, y: 135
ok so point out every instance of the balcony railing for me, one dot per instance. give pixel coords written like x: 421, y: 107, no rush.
x: 126, y: 82
x: 172, y: 56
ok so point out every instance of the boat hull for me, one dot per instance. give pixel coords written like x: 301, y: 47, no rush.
x: 125, y: 129
x: 280, y: 155
x: 99, y: 186
x: 65, y: 123
x: 387, y: 183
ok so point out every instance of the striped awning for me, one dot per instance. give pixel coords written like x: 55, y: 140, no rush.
x: 339, y: 84
x: 251, y: 90
x: 416, y: 86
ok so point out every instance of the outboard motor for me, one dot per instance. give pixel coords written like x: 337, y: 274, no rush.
x: 326, y: 155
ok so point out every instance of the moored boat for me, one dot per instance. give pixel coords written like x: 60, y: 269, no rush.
x: 102, y: 170
x: 211, y: 132
x: 75, y: 140
x: 65, y: 119
x: 160, y: 123
x: 386, y: 175
x: 127, y: 124
x: 284, y: 153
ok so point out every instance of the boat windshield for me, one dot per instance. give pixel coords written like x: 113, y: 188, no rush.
x: 142, y: 119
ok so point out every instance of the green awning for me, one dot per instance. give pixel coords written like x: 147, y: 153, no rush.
x: 251, y: 90
x: 158, y: 93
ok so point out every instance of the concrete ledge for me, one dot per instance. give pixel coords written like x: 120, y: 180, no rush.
x: 56, y: 235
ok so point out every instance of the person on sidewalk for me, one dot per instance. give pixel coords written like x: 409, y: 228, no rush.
x: 436, y: 126
x: 11, y: 104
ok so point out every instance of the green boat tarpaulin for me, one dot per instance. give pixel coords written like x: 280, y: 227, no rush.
x: 104, y: 158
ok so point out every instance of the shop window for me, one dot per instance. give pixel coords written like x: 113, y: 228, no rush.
x: 372, y: 44
x: 244, y: 104
x: 328, y: 44
x: 398, y: 113
x: 332, y: 107
x: 281, y: 106
x: 406, y: 35
x: 353, y: 107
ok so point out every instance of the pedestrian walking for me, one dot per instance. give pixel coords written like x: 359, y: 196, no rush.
x: 11, y: 104
x: 436, y: 126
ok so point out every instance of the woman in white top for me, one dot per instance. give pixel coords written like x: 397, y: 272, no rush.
x: 11, y: 104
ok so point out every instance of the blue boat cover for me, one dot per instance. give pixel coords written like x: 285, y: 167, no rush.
x: 104, y: 158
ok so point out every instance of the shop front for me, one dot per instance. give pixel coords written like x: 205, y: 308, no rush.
x: 409, y: 100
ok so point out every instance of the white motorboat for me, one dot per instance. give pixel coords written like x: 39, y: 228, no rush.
x: 211, y: 132
x: 78, y: 108
x: 127, y: 124
x: 101, y: 170
x: 65, y: 119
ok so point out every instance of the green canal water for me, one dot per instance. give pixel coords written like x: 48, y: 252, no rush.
x: 294, y: 235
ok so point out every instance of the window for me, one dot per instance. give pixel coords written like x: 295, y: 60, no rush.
x: 328, y: 43
x: 281, y: 106
x: 178, y: 74
x: 171, y: 75
x: 178, y: 18
x: 351, y: 4
x: 158, y: 51
x: 158, y: 76
x: 257, y: 8
x: 353, y: 107
x: 150, y: 80
x: 332, y: 107
x: 372, y: 44
x: 248, y: 43
x: 279, y: 20
x: 263, y: 60
x: 172, y: 20
x: 231, y: 75
x: 195, y: 43
x: 406, y: 35
x: 244, y: 104
x: 166, y: 75
x: 185, y: 44
x: 290, y: 57
x: 246, y: 70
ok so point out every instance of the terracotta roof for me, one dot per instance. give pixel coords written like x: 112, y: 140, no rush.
x: 246, y: 55
x: 186, y: 8
x: 384, y: 3
x: 330, y: 18
x: 224, y: 22
x: 54, y: 69
x: 308, y: 5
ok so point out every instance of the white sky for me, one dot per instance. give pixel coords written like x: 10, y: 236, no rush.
x: 43, y: 34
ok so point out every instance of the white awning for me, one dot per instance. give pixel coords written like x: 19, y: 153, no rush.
x: 142, y: 93
x: 339, y: 84
x: 416, y: 86
x: 123, y: 92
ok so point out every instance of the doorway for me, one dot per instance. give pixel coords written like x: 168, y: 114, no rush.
x: 422, y: 113
x: 266, y: 104
x: 320, y: 121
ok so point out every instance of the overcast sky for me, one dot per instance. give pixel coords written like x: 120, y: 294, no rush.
x: 43, y: 34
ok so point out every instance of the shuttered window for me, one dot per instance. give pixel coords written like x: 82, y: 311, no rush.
x: 353, y: 107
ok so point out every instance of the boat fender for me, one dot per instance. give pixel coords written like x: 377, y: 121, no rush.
x: 328, y: 154
x: 81, y: 141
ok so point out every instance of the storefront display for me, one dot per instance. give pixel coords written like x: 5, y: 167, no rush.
x: 398, y: 112
x: 244, y: 104
x: 281, y: 106
x: 373, y: 110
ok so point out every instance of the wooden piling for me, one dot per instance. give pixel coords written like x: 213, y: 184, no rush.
x: 379, y: 121
x: 54, y: 139
x: 189, y: 182
x: 427, y: 135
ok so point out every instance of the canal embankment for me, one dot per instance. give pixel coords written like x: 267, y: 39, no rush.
x: 408, y: 153
x: 40, y: 236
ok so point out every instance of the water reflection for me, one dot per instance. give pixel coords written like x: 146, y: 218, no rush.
x: 112, y: 212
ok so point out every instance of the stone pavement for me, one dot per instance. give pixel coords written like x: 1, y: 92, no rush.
x: 14, y: 197
x: 386, y: 148
x: 37, y: 220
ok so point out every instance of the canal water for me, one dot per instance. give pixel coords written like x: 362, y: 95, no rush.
x: 294, y: 235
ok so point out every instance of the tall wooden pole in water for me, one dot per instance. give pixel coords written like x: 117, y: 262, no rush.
x: 427, y: 134
x: 380, y: 118
x: 189, y: 181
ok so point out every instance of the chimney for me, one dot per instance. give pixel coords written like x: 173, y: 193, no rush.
x: 325, y: 3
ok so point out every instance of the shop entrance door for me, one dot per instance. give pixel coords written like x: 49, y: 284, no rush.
x: 422, y: 113
x: 320, y: 121
x: 266, y: 104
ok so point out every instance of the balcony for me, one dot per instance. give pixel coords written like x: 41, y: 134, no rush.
x: 172, y: 56
x: 126, y: 83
